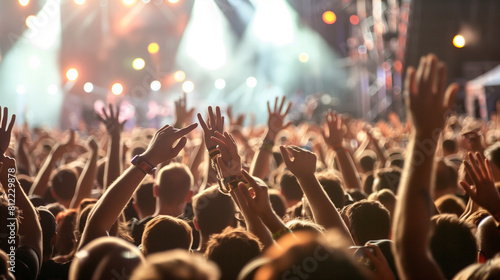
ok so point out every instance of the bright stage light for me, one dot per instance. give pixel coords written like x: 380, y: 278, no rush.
x: 354, y: 19
x: 329, y: 17
x: 88, y: 87
x: 251, y: 82
x: 274, y: 22
x: 34, y: 62
x: 79, y: 2
x: 72, y: 74
x: 52, y: 89
x: 138, y: 63
x: 459, y: 41
x: 155, y: 85
x: 117, y: 89
x: 128, y: 2
x: 153, y: 48
x: 179, y: 76
x: 21, y: 89
x: 30, y: 21
x: 24, y: 3
x: 173, y: 1
x: 303, y: 57
x: 188, y: 86
x: 220, y: 84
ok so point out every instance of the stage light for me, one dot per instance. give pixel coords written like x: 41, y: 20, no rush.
x: 329, y: 17
x: 155, y: 85
x: 274, y: 22
x: 354, y: 19
x: 188, y: 86
x: 153, y: 48
x: 303, y: 57
x: 138, y: 63
x: 179, y: 76
x: 88, y: 87
x: 173, y: 1
x: 72, y: 74
x: 52, y: 89
x: 251, y: 82
x: 459, y: 41
x: 21, y: 89
x: 29, y: 21
x: 117, y: 89
x: 24, y: 3
x: 128, y: 2
x: 220, y: 84
x: 34, y: 62
x: 79, y: 2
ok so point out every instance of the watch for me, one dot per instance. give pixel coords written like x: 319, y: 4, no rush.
x: 143, y: 165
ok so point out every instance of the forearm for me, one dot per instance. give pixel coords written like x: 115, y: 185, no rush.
x: 272, y: 221
x: 86, y: 181
x: 114, y: 164
x: 262, y: 159
x: 348, y: 169
x: 196, y: 162
x: 111, y: 204
x: 41, y: 181
x: 257, y: 227
x: 322, y: 207
x: 23, y: 160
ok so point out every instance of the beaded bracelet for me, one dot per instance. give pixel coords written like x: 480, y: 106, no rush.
x: 281, y: 232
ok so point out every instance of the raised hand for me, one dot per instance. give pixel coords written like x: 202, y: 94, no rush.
x: 334, y: 133
x: 238, y: 121
x: 214, y: 123
x: 111, y: 121
x: 93, y: 144
x: 276, y: 121
x: 257, y: 203
x: 230, y: 160
x: 483, y: 192
x: 63, y: 147
x: 300, y: 162
x: 428, y: 99
x: 161, y: 148
x: 182, y: 114
x: 5, y: 131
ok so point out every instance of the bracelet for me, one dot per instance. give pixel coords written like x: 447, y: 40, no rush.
x: 267, y: 145
x: 340, y: 149
x: 337, y: 147
x: 281, y: 232
x: 143, y: 165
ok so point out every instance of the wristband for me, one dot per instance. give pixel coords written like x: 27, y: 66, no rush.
x: 267, y: 145
x: 281, y: 232
x: 143, y: 164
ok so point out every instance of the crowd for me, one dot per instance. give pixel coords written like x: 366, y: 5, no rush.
x: 341, y: 199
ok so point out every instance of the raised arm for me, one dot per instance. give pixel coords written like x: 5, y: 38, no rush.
x: 428, y: 105
x: 87, y: 178
x: 275, y: 123
x: 182, y: 115
x: 302, y: 164
x: 41, y: 182
x: 110, y: 205
x: 114, y: 127
x: 334, y: 137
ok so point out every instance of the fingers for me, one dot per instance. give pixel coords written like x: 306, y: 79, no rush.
x: 176, y: 150
x: 282, y: 103
x: 202, y: 122
x: 211, y: 117
x: 410, y: 81
x: 450, y: 95
x: 286, y: 156
x: 468, y: 189
x: 268, y: 108
x: 185, y: 130
x: 489, y: 170
x: 287, y: 109
x: 441, y: 83
x: 275, y: 105
x: 11, y: 124
x: 5, y: 117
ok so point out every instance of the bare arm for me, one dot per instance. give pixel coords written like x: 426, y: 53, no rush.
x: 414, y: 207
x: 87, y: 178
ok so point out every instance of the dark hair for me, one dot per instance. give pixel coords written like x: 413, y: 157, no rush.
x: 493, y: 154
x: 367, y: 160
x: 278, y: 202
x: 165, y: 233
x: 333, y: 187
x: 49, y: 227
x: 450, y: 145
x: 64, y: 183
x: 66, y: 225
x: 145, y: 199
x: 290, y: 186
x: 450, y: 204
x: 369, y: 220
x: 213, y: 211
x: 446, y: 176
x: 388, y: 178
x: 231, y: 250
x: 453, y: 246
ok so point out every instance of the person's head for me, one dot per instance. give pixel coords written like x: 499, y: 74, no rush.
x: 290, y: 188
x: 332, y: 185
x: 176, y: 265
x: 5, y: 274
x: 65, y: 231
x: 231, y: 250
x: 450, y: 204
x: 25, y: 181
x: 304, y: 225
x: 446, y: 179
x: 387, y: 198
x: 367, y: 182
x: 63, y: 185
x: 173, y: 188
x: 488, y: 239
x: 165, y: 233
x: 55, y: 208
x: 278, y: 202
x: 49, y: 230
x: 309, y: 256
x: 367, y: 160
x: 144, y: 200
x: 213, y: 211
x: 450, y: 147
x: 452, y: 244
x: 492, y: 153
x: 103, y: 257
x: 387, y: 178
x: 481, y: 271
x: 369, y: 220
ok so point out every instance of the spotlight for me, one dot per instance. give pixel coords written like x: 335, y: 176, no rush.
x: 88, y: 87
x: 138, y: 63
x: 173, y: 1
x: 155, y: 85
x: 52, y: 89
x: 153, y: 48
x: 220, y: 84
x: 128, y: 2
x: 179, y: 76
x: 72, y: 74
x: 79, y: 2
x: 30, y: 20
x: 251, y: 82
x: 117, y: 89
x: 329, y: 17
x: 303, y: 57
x: 34, y: 62
x: 21, y: 89
x: 459, y: 41
x: 354, y: 19
x: 188, y: 86
x: 24, y: 3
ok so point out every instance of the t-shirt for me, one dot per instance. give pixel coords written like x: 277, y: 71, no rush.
x: 27, y: 263
x: 52, y: 270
